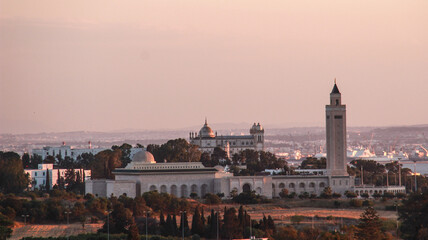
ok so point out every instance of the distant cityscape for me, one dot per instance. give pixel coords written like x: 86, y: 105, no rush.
x: 382, y: 143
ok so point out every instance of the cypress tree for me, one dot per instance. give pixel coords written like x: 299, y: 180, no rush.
x: 174, y: 225
x: 48, y: 186
x: 197, y: 224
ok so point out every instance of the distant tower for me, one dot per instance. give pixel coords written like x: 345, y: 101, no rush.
x: 336, y: 134
x: 258, y: 132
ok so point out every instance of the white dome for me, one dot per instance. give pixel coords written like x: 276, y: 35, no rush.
x: 206, y: 131
x: 143, y: 157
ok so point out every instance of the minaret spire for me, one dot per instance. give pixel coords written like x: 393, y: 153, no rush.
x: 206, y: 121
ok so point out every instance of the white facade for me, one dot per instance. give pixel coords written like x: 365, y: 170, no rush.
x: 207, y: 140
x: 38, y: 177
x: 73, y: 153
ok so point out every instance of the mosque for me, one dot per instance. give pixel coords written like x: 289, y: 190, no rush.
x: 183, y: 178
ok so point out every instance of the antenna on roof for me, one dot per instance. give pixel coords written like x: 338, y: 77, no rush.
x: 334, y: 80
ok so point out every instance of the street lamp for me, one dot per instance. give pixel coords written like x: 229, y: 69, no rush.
x: 68, y: 223
x: 25, y: 218
x: 108, y: 224
x: 217, y: 222
x: 147, y: 213
x: 182, y: 213
x: 416, y: 182
x: 396, y: 211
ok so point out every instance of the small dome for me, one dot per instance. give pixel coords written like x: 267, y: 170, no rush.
x: 143, y: 157
x: 206, y: 131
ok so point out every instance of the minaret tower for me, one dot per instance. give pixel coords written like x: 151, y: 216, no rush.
x: 336, y: 134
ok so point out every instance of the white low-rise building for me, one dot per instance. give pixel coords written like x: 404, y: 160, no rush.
x: 46, y: 172
x: 71, y: 152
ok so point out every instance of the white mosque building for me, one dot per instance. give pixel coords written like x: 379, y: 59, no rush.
x: 181, y: 179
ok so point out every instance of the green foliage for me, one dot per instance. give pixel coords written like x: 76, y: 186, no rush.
x: 356, y: 203
x: 212, y: 199
x: 12, y: 176
x: 327, y: 193
x: 125, y: 149
x: 414, y: 216
x: 369, y: 226
x: 313, y: 163
x: 248, y: 198
x: 257, y: 161
x: 197, y: 223
x: 177, y: 150
x: 165, y: 202
x: 350, y: 194
x: 296, y: 219
x: 283, y: 193
x: 105, y: 162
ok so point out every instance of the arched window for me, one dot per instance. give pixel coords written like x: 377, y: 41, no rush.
x: 291, y: 185
x: 312, y: 185
x: 163, y: 189
x: 153, y: 188
x: 194, y: 189
x: 204, y: 190
x: 246, y: 188
x: 281, y: 185
x: 301, y: 185
x: 322, y: 185
x: 184, y: 191
x: 174, y: 190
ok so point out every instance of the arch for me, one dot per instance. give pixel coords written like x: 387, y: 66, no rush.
x: 246, y: 187
x: 174, y: 190
x: 138, y: 188
x: 281, y: 185
x: 312, y: 185
x: 291, y: 185
x: 322, y: 185
x: 184, y: 191
x: 194, y: 189
x: 259, y: 190
x: 301, y: 185
x: 153, y: 188
x: 204, y: 190
x: 163, y: 189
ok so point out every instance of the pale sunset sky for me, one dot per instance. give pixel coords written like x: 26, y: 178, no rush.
x: 108, y: 65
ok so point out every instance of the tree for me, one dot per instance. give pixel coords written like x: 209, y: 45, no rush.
x: 176, y: 150
x: 197, y: 224
x: 313, y: 163
x: 105, y: 162
x: 126, y: 153
x: 26, y: 160
x: 327, y: 193
x: 13, y: 179
x: 230, y: 227
x: 48, y: 185
x: 369, y: 226
x: 414, y: 216
x: 133, y: 232
x: 5, y: 227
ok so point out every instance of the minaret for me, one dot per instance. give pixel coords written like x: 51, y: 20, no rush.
x: 336, y: 134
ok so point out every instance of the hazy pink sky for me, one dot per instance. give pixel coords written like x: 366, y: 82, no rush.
x: 108, y: 65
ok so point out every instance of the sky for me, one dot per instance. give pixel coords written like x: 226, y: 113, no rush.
x: 88, y: 65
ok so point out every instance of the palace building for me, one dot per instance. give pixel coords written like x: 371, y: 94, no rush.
x: 207, y: 140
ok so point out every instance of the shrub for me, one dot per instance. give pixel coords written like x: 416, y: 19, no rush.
x: 356, y: 203
x: 367, y: 203
x: 364, y: 195
x: 296, y: 219
x: 336, y: 195
x: 283, y: 193
x: 212, y: 199
x: 400, y: 195
x: 349, y: 194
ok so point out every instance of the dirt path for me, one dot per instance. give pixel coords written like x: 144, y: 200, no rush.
x: 51, y: 230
